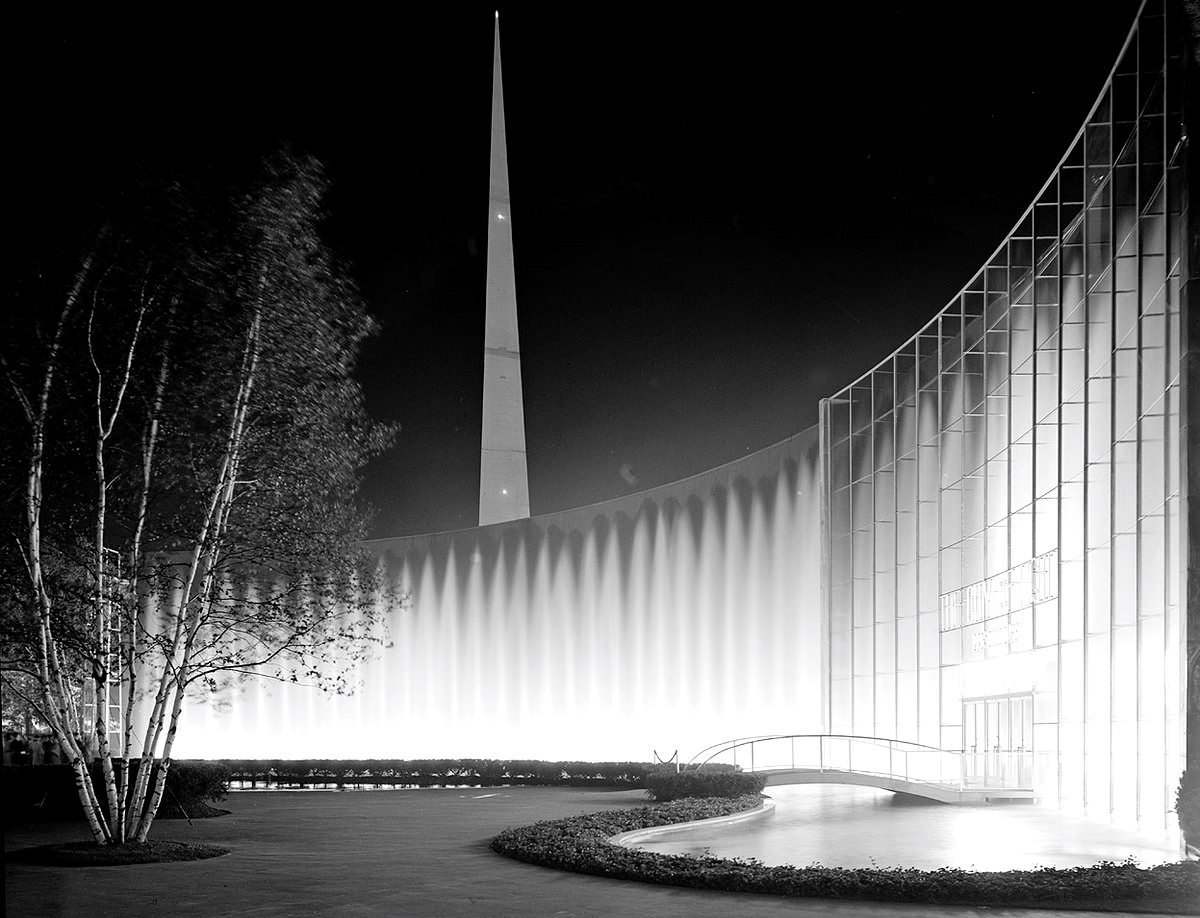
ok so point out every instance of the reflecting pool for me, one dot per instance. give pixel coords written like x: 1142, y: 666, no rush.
x: 842, y: 826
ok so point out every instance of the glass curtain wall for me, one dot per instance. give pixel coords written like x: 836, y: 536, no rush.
x: 1003, y: 492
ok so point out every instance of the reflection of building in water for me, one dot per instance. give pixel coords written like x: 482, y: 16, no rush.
x: 1006, y: 498
x: 983, y: 546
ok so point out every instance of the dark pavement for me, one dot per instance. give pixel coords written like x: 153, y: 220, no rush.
x: 421, y: 853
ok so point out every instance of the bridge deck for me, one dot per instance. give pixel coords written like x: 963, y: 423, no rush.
x: 944, y: 793
x: 901, y: 766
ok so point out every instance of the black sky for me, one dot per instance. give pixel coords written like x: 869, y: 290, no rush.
x: 719, y: 217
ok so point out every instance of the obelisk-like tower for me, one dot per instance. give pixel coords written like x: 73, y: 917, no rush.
x: 503, y: 475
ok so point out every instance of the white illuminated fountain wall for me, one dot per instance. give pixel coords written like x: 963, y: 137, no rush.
x: 665, y: 620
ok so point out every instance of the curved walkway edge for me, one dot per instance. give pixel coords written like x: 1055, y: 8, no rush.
x: 638, y: 836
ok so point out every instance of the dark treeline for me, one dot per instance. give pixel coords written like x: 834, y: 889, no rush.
x: 430, y: 772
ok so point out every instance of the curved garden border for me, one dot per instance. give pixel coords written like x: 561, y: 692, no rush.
x: 637, y: 836
x: 582, y: 844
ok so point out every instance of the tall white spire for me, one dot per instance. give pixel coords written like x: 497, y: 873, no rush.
x: 503, y: 474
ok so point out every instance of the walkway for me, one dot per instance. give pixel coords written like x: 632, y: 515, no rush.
x: 890, y: 764
x: 416, y: 854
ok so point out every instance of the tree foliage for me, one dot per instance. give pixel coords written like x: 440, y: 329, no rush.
x: 185, y: 442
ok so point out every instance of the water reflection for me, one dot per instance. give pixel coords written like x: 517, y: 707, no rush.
x: 840, y: 826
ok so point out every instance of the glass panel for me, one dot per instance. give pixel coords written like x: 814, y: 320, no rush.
x: 1046, y: 458
x: 1099, y: 515
x: 1071, y: 599
x: 885, y: 496
x: 951, y: 455
x: 885, y: 547
x: 884, y: 445
x: 1152, y: 466
x: 1072, y: 447
x: 864, y: 650
x: 906, y: 591
x: 951, y: 516
x: 862, y: 504
x: 997, y: 549
x: 1125, y: 475
x: 927, y: 415
x: 906, y: 428
x: 1124, y: 588
x: 885, y: 649
x: 1099, y: 579
x: 952, y: 395
x: 974, y: 442
x: 928, y: 472
x: 1021, y: 403
x: 1021, y: 474
x: 1070, y: 520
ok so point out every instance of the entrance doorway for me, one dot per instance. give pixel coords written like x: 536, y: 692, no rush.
x: 998, y: 741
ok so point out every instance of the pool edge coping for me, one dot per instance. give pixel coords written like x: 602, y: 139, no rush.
x: 635, y: 836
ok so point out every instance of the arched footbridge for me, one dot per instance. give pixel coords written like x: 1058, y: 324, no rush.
x: 964, y: 778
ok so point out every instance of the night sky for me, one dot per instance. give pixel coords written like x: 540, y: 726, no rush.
x: 718, y: 218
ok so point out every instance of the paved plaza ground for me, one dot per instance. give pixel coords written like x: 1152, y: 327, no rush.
x: 420, y: 853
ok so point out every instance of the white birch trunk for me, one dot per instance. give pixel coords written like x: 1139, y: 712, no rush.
x: 53, y: 686
x: 204, y: 557
x: 102, y: 677
x: 132, y: 653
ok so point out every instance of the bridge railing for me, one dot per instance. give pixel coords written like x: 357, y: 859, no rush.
x: 840, y: 753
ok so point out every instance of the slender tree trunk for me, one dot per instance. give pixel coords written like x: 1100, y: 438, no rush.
x: 101, y: 678
x: 54, y: 692
x: 136, y: 806
x: 132, y: 652
x: 204, y: 563
x: 104, y: 654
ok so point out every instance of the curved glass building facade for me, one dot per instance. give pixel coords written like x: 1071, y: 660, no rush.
x: 1005, y: 495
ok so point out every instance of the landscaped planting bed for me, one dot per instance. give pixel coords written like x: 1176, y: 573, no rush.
x: 89, y: 854
x: 35, y: 793
x: 580, y: 843
x: 664, y: 786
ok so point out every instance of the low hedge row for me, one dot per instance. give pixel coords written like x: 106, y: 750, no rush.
x: 580, y: 844
x: 580, y: 841
x: 666, y: 786
x: 427, y: 772
x: 45, y: 792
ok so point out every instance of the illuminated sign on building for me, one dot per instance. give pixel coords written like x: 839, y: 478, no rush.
x: 1019, y: 588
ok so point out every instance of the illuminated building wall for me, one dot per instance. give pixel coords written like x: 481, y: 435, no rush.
x: 1005, y: 494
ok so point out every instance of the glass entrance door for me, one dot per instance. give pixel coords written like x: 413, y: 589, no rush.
x: 998, y: 741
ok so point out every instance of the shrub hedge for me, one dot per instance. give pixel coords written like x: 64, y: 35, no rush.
x: 1187, y: 807
x: 666, y: 786
x: 427, y: 772
x: 45, y: 792
x: 580, y: 844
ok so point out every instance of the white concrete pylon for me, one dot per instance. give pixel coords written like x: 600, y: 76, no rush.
x: 503, y: 474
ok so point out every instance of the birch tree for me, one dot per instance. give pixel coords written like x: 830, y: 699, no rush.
x: 187, y: 437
